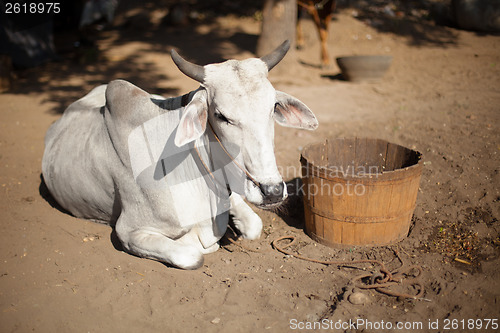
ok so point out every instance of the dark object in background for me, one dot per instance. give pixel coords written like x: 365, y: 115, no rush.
x: 96, y: 11
x: 26, y: 38
x: 5, y: 72
x: 477, y: 15
x: 178, y: 15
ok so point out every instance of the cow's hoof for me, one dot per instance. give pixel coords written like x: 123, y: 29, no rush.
x: 252, y: 227
x: 211, y: 249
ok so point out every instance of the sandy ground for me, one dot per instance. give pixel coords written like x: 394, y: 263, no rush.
x: 441, y: 97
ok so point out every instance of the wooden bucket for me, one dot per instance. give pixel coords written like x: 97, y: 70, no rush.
x: 359, y: 192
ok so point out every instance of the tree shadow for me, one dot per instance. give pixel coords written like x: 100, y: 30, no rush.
x: 66, y: 81
x: 82, y: 64
x: 422, y: 21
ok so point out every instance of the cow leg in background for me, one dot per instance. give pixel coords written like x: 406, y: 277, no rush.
x: 299, y: 43
x: 148, y: 242
x: 321, y: 12
x: 244, y: 218
x: 323, y: 36
x: 322, y: 17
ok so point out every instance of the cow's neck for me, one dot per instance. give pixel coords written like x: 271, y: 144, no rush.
x: 212, y: 164
x: 186, y: 98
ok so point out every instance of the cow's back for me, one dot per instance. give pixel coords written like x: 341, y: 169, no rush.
x: 78, y: 159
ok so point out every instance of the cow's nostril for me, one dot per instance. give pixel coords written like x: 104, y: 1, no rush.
x: 273, y: 192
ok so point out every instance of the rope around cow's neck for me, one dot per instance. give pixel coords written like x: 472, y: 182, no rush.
x: 248, y: 175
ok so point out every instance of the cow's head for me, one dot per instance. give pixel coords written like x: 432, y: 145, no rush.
x: 241, y: 105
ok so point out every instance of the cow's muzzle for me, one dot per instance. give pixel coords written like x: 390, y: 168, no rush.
x: 273, y: 194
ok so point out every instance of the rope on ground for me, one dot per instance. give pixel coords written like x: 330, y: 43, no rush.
x: 380, y: 281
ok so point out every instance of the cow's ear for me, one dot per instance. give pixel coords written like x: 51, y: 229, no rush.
x: 194, y: 120
x: 290, y: 112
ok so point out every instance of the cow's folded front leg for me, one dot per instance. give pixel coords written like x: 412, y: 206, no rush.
x: 244, y: 218
x: 151, y: 244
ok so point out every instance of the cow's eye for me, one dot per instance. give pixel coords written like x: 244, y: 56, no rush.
x: 221, y: 117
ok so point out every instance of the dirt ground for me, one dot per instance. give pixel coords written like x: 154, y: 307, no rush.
x: 441, y: 96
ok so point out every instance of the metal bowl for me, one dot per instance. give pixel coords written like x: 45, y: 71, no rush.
x: 365, y: 67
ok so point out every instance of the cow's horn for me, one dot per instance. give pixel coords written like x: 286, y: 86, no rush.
x: 196, y: 72
x: 273, y: 58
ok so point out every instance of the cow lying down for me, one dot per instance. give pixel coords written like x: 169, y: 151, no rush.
x: 168, y: 173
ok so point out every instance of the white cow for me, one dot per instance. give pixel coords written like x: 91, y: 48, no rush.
x: 169, y: 172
